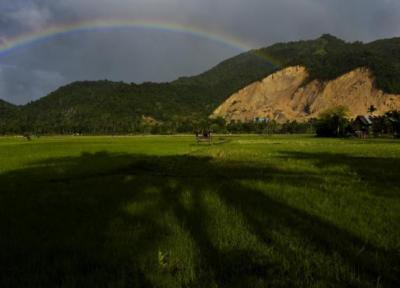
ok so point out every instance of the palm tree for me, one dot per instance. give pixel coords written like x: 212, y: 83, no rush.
x: 372, y: 109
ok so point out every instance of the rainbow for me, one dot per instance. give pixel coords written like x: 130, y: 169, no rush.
x: 63, y: 29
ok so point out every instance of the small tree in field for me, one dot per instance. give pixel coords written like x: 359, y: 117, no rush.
x: 332, y: 122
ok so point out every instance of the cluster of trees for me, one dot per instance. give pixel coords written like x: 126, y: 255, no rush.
x: 386, y: 124
x: 271, y: 127
x: 220, y: 126
x: 335, y: 123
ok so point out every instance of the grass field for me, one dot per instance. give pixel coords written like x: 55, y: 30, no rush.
x: 165, y: 212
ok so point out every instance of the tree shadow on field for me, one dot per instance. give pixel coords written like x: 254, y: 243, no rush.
x: 381, y: 175
x: 99, y: 220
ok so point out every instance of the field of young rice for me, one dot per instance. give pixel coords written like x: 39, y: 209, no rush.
x: 280, y: 211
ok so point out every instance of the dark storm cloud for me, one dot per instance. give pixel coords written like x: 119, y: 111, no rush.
x: 149, y: 55
x: 35, y: 81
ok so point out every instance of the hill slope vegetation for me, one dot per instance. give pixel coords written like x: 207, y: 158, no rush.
x: 328, y: 57
x: 6, y: 107
x: 8, y: 114
x: 117, y: 107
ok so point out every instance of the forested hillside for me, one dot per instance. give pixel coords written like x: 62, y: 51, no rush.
x: 328, y: 57
x: 116, y: 107
x: 6, y: 107
x: 8, y: 113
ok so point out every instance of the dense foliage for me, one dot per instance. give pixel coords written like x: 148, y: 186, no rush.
x: 387, y: 124
x: 332, y: 122
x: 8, y: 114
x: 328, y: 57
x: 6, y: 108
x: 105, y: 107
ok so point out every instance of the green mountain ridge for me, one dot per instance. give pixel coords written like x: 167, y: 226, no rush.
x: 117, y: 107
x: 7, y: 109
x: 6, y: 105
x: 328, y: 57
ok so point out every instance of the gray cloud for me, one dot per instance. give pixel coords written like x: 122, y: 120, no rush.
x: 35, y: 81
x: 137, y: 55
x: 30, y: 17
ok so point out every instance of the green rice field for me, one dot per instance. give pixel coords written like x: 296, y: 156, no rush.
x: 163, y: 211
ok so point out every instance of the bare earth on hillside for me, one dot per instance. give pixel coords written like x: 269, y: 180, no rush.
x: 284, y: 96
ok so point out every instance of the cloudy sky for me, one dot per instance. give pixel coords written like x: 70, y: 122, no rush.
x: 137, y: 54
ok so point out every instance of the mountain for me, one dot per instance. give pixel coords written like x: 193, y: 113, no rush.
x: 286, y: 95
x: 108, y: 107
x: 116, y: 107
x: 7, y: 110
x: 6, y: 107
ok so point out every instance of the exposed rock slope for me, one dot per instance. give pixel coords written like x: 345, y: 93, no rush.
x: 285, y: 95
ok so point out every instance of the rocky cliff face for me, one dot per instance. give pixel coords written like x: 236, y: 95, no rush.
x: 285, y: 95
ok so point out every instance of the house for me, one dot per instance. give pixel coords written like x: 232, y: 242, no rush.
x: 362, y: 125
x: 261, y: 120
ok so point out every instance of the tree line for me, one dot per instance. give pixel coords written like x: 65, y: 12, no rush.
x: 333, y: 122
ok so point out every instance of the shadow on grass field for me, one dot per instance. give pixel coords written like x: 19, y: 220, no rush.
x: 380, y: 174
x: 122, y: 220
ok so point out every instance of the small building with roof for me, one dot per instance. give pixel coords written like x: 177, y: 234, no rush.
x: 362, y: 125
x: 261, y: 120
